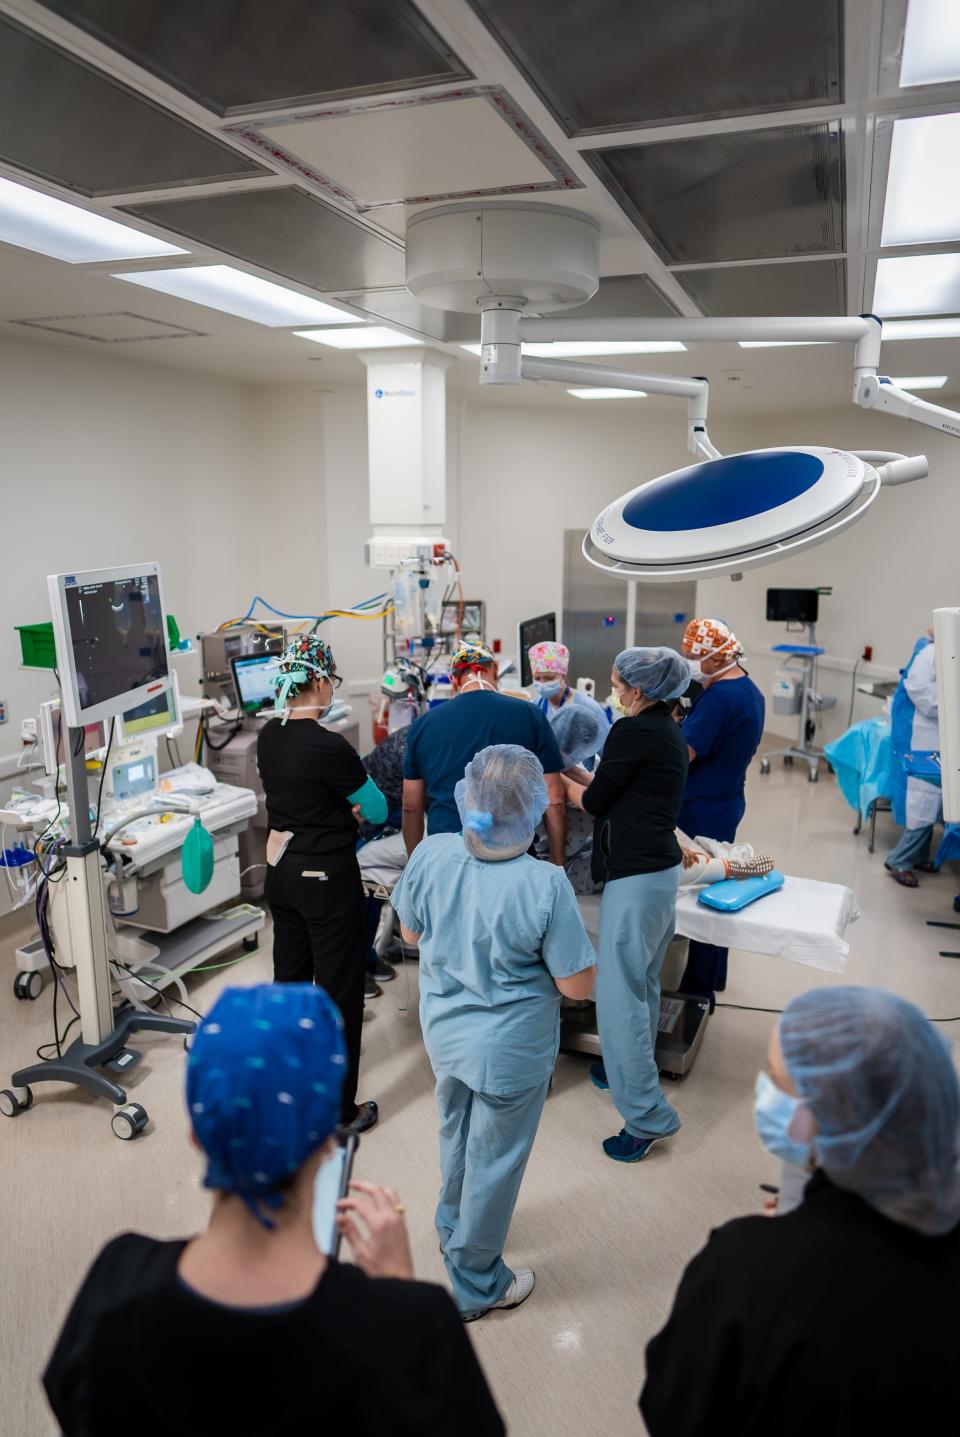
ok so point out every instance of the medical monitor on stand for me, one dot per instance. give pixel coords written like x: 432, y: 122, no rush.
x: 161, y: 716
x: 793, y: 606
x: 111, y: 640
x: 540, y: 630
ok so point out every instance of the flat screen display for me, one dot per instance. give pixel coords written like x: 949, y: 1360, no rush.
x: 534, y: 631
x: 793, y: 606
x: 154, y: 716
x: 255, y: 677
x: 116, y: 631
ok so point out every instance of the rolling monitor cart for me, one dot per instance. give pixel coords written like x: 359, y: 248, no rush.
x: 540, y: 630
x: 799, y: 609
x: 111, y: 643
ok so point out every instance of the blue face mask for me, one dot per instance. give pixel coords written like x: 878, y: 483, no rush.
x: 551, y: 689
x: 773, y: 1112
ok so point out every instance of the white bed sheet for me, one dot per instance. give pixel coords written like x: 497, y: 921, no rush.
x: 805, y: 922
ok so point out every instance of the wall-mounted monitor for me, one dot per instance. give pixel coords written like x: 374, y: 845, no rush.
x: 793, y: 606
x: 530, y: 632
x: 111, y: 639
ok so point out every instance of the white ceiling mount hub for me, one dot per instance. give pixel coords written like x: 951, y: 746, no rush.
x: 506, y: 260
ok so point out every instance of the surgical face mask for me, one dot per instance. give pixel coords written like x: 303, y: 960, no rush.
x: 696, y: 671
x: 551, y: 688
x: 774, y: 1112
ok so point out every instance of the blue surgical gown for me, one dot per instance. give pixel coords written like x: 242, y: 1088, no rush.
x: 494, y: 936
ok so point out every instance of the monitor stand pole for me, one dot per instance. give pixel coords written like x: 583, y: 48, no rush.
x: 103, y: 1033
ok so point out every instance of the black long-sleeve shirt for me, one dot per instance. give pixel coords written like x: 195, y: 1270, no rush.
x: 358, y: 1355
x: 831, y: 1320
x: 635, y: 796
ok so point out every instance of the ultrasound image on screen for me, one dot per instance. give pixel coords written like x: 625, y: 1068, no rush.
x: 116, y: 630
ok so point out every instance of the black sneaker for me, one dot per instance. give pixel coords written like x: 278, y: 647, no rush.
x: 366, y: 1117
x: 384, y: 972
x: 371, y: 988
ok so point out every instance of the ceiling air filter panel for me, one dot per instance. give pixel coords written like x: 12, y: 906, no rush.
x: 817, y: 286
x: 287, y: 232
x: 616, y: 64
x: 754, y: 194
x: 63, y: 121
x: 236, y: 55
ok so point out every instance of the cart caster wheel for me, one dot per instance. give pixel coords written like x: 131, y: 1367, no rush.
x: 813, y: 775
x: 128, y: 1121
x: 28, y: 986
x: 14, y: 1101
x: 250, y: 945
x: 765, y: 765
x: 788, y: 760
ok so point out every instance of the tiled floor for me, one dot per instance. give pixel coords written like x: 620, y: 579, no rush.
x: 608, y: 1243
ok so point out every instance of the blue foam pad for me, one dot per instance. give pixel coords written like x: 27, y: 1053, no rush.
x: 732, y: 894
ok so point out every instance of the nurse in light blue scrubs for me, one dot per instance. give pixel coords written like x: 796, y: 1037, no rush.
x: 500, y: 938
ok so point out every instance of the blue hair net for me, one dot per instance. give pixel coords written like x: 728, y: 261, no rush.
x: 263, y: 1086
x: 880, y: 1082
x: 501, y: 799
x: 579, y: 733
x: 659, y: 673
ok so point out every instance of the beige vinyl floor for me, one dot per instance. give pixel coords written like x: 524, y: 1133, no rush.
x: 608, y: 1242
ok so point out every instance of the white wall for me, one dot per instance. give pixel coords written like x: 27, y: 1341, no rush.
x: 105, y: 461
x: 887, y: 573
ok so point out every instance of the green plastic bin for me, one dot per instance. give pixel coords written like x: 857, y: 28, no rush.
x: 37, y: 648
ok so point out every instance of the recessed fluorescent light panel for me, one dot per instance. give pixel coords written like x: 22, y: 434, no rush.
x: 584, y: 348
x: 373, y: 337
x: 931, y: 43
x: 599, y: 393
x: 922, y: 205
x: 921, y: 329
x: 233, y: 291
x: 780, y: 343
x: 918, y: 284
x: 31, y: 220
x: 920, y: 381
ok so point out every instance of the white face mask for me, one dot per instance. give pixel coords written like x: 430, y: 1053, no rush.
x: 475, y: 680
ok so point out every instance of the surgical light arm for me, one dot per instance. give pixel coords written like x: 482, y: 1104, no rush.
x: 695, y: 390
x: 872, y: 392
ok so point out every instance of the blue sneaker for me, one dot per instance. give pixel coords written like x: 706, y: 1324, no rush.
x: 598, y: 1077
x: 625, y: 1148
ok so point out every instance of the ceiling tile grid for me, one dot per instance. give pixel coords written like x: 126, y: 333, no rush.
x: 116, y: 327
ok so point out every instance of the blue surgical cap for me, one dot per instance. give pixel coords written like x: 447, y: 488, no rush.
x: 501, y: 799
x: 579, y: 733
x: 263, y: 1086
x: 880, y: 1082
x: 658, y: 673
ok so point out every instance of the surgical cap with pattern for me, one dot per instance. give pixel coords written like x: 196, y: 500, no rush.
x: 549, y: 657
x: 706, y: 637
x: 263, y: 1086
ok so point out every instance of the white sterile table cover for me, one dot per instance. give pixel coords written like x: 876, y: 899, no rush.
x: 804, y: 922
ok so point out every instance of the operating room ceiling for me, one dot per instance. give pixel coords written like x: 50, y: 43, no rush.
x: 734, y: 155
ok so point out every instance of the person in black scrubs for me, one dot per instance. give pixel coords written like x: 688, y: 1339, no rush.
x: 316, y: 788
x: 836, y: 1318
x: 274, y: 1332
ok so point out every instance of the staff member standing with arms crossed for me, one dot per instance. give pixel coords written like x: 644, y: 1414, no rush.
x: 634, y: 796
x: 316, y: 787
x: 723, y: 732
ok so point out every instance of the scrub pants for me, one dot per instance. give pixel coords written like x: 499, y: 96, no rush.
x: 637, y: 921
x: 706, y: 970
x: 912, y: 847
x: 318, y: 932
x: 485, y: 1141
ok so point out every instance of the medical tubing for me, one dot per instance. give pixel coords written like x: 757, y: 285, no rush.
x: 143, y: 813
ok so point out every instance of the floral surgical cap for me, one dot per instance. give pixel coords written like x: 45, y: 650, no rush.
x: 703, y: 637
x: 306, y: 658
x: 471, y: 656
x: 549, y: 658
x: 263, y: 1087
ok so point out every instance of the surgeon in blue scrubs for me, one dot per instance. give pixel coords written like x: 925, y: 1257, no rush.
x: 500, y: 938
x: 722, y: 732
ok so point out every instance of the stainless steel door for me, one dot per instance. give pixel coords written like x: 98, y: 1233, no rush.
x: 595, y: 614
